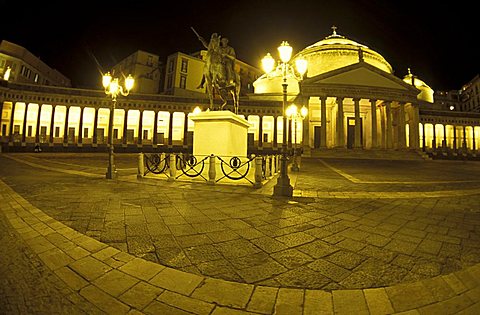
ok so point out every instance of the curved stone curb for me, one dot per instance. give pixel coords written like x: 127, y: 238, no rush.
x: 119, y: 283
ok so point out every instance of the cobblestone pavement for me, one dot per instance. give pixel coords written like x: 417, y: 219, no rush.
x: 353, y: 224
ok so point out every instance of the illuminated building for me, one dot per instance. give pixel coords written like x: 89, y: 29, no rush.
x: 26, y: 68
x: 354, y: 101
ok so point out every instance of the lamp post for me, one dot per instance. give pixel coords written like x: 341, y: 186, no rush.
x: 283, y: 187
x: 113, y: 88
x: 294, y: 114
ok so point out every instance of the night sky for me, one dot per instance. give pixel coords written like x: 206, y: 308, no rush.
x: 83, y: 38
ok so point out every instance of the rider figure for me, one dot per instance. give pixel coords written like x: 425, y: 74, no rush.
x: 228, y: 59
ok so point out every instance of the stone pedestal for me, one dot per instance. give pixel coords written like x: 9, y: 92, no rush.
x: 221, y: 133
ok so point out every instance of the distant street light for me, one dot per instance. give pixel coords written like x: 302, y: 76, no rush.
x: 113, y: 89
x: 283, y: 187
x: 294, y: 114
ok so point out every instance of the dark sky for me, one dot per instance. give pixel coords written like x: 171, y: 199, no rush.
x: 436, y: 40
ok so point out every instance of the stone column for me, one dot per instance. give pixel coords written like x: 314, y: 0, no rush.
x: 95, y: 125
x: 473, y: 139
x: 12, y: 116
x: 423, y: 138
x: 24, y: 127
x: 414, y: 132
x: 52, y: 125
x: 170, y: 130
x: 275, y: 131
x: 140, y: 128
x: 373, y: 115
x: 155, y: 127
x: 454, y: 137
x: 323, y: 119
x: 389, y: 127
x: 402, y: 139
x: 65, y: 128
x: 37, y: 128
x: 444, y: 141
x: 340, y: 124
x: 260, y: 131
x: 125, y: 126
x: 464, y: 144
x: 80, y: 125
x: 434, y: 141
x: 185, y: 130
x: 358, y: 128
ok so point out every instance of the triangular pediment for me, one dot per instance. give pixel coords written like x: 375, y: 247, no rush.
x: 360, y: 74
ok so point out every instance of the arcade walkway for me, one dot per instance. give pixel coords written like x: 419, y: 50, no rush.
x: 359, y: 237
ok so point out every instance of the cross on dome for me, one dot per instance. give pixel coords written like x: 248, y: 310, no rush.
x: 334, y: 30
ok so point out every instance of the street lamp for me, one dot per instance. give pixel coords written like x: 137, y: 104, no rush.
x: 283, y: 187
x: 294, y: 114
x: 113, y: 88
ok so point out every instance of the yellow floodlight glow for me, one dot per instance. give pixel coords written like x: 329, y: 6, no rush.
x: 301, y: 65
x: 304, y: 112
x: 197, y: 110
x: 129, y: 82
x: 268, y: 63
x: 285, y: 51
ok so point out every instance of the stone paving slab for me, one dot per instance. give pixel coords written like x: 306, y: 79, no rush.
x: 110, y: 279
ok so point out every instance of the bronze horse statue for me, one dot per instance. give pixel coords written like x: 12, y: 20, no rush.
x: 216, y: 77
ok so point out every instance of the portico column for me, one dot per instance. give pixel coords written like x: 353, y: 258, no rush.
x: 275, y: 130
x: 140, y: 128
x: 389, y: 128
x: 434, y: 141
x: 155, y: 127
x: 373, y: 113
x: 37, y: 128
x: 454, y: 137
x: 358, y: 127
x: 65, y: 128
x: 340, y: 125
x: 401, y: 131
x: 444, y: 141
x: 260, y: 131
x: 125, y: 127
x: 95, y: 124
x: 12, y: 121
x: 323, y: 126
x: 80, y: 125
x: 423, y: 138
x: 464, y: 144
x: 170, y: 130
x: 24, y: 127
x: 473, y: 139
x: 414, y: 131
x: 185, y: 130
x: 52, y: 124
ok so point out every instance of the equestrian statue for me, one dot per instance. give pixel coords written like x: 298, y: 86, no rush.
x: 219, y: 73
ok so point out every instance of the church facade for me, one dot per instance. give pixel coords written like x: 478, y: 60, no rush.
x: 354, y: 101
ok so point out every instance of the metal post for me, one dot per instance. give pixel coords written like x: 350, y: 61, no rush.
x: 295, y: 167
x: 283, y: 187
x: 111, y: 170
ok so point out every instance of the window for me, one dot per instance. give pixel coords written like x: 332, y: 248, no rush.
x: 169, y: 81
x: 170, y: 65
x: 35, y: 79
x: 184, y: 68
x: 183, y: 81
x: 150, y: 61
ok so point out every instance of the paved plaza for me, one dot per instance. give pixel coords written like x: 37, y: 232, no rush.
x: 360, y: 236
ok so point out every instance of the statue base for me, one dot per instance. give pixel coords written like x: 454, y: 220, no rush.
x: 221, y: 133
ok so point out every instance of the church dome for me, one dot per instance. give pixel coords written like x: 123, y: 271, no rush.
x: 331, y: 53
x: 426, y: 92
x: 336, y: 51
